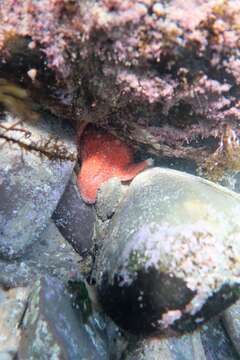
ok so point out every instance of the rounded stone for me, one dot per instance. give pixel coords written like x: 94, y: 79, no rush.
x: 170, y: 259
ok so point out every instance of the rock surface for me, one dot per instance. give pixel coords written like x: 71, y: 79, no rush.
x: 52, y: 328
x: 209, y: 343
x: 109, y: 196
x: 13, y: 303
x: 216, y: 344
x: 187, y: 347
x: 31, y: 183
x: 170, y: 260
x: 51, y: 254
x: 75, y: 219
x: 231, y: 321
x: 163, y: 74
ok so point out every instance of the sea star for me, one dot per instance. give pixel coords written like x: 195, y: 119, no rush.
x: 104, y: 156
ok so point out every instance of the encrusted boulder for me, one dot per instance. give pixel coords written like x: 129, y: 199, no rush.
x: 163, y: 74
x: 169, y: 259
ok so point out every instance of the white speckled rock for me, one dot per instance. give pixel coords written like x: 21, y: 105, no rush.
x: 51, y: 254
x: 31, y: 185
x: 170, y: 260
x: 54, y: 329
x: 12, y: 306
x: 186, y: 347
x: 231, y: 321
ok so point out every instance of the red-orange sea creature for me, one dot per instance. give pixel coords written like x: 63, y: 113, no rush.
x: 104, y: 156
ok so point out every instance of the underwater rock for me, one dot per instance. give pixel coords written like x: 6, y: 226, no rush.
x: 216, y: 343
x: 32, y: 179
x: 108, y: 198
x: 186, y: 347
x: 170, y: 258
x: 13, y: 303
x: 231, y: 321
x: 53, y: 328
x: 149, y: 349
x: 165, y: 74
x: 74, y: 218
x: 51, y: 255
x: 44, y: 134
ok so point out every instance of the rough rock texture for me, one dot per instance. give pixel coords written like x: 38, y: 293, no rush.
x: 231, y: 320
x: 216, y: 344
x: 187, y: 347
x: 74, y: 218
x: 13, y: 303
x: 169, y: 260
x: 53, y: 329
x: 108, y: 199
x: 31, y: 181
x: 164, y: 74
x: 51, y: 254
x: 209, y: 343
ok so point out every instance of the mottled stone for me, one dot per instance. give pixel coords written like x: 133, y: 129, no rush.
x: 81, y: 293
x: 216, y: 344
x: 187, y: 347
x: 163, y: 74
x: 74, y: 218
x: 231, y: 321
x: 51, y: 254
x: 41, y: 132
x: 108, y: 198
x: 170, y: 258
x: 53, y: 329
x: 149, y: 349
x: 12, y: 306
x: 6, y: 356
x: 31, y: 183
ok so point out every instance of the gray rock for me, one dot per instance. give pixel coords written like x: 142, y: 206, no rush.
x: 31, y: 183
x: 209, y: 343
x: 187, y: 347
x: 74, y: 218
x: 51, y: 254
x: 216, y: 344
x: 6, y: 356
x: 170, y: 259
x: 12, y: 306
x: 231, y: 321
x: 47, y: 135
x: 108, y: 198
x: 116, y: 341
x: 149, y: 349
x: 54, y: 329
